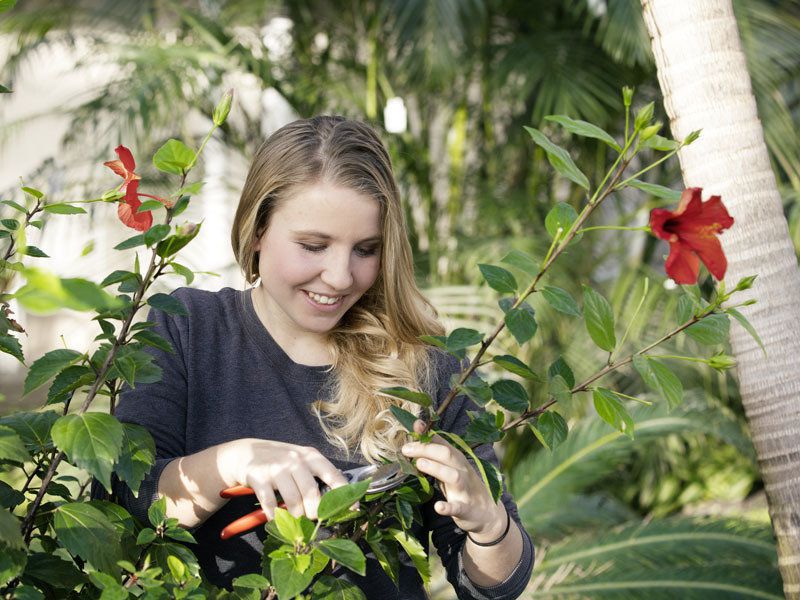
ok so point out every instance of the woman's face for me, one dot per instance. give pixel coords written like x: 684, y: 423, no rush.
x: 318, y: 256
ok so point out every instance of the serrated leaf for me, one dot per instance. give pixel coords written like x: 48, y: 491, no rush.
x: 92, y: 441
x: 10, y: 345
x: 685, y: 309
x: 499, y: 279
x: 404, y: 393
x: 340, y: 499
x: 288, y: 525
x: 475, y: 388
x: 345, y: 552
x: 414, y: 550
x: 559, y: 158
x: 157, y: 513
x: 599, y: 319
x: 439, y: 341
x: 406, y: 418
x: 659, y: 379
x: 461, y: 338
x: 12, y: 447
x: 510, y: 395
x: 561, y: 300
x: 173, y: 157
x: 33, y: 428
x: 169, y: 304
x: 69, y: 380
x: 386, y: 553
x: 559, y: 389
x: 287, y: 580
x: 584, y: 129
x: 659, y: 191
x: 748, y: 327
x: 137, y: 456
x: 521, y: 322
x: 612, y: 411
x: 482, y: 429
x: 553, y: 429
x: 47, y: 366
x: 86, y: 532
x: 710, y: 330
x: 516, y: 366
x: 332, y: 588
x: 522, y: 261
x: 151, y: 338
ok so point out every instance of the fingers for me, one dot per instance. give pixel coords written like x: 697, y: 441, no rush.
x: 268, y: 501
x: 448, y: 475
x: 322, y: 468
x: 292, y: 497
x: 309, y: 491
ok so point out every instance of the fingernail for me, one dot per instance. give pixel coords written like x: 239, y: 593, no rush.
x: 407, y: 448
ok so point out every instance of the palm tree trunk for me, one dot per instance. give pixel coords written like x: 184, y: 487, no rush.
x: 705, y: 83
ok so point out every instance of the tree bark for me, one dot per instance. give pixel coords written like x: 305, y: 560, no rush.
x: 706, y: 85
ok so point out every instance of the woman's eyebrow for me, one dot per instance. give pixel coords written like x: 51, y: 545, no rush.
x: 325, y: 236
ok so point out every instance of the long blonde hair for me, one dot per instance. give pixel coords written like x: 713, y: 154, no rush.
x: 376, y: 343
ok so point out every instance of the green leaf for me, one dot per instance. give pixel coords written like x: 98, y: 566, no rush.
x: 33, y: 428
x: 62, y: 208
x: 155, y: 234
x: 522, y: 261
x: 748, y: 327
x: 332, y: 588
x: 405, y: 512
x: 14, y: 205
x: 131, y: 242
x: 112, y: 589
x: 49, y: 569
x: 552, y: 428
x: 559, y: 158
x: 33, y: 251
x: 10, y: 345
x: 657, y: 142
x: 83, y: 294
x: 151, y: 338
x: 439, y: 341
x: 461, y: 338
x: 406, y: 418
x: 86, y: 532
x: 475, y: 388
x: 685, y: 309
x: 521, y: 322
x: 149, y: 205
x: 287, y: 580
x: 491, y: 480
x: 386, y: 553
x: 251, y: 581
x: 710, y: 330
x: 157, y: 513
x: 13, y: 554
x: 599, y: 319
x: 561, y: 215
x: 47, y: 366
x: 288, y: 525
x: 173, y: 157
x: 559, y: 389
x: 482, y: 429
x: 91, y: 441
x: 659, y: 191
x: 516, y: 366
x: 345, y: 552
x: 174, y: 243
x: 184, y: 272
x: 340, y: 499
x: 146, y: 536
x: 403, y: 393
x: 561, y: 300
x: 612, y: 411
x: 169, y: 304
x: 183, y: 202
x: 69, y: 380
x: 585, y: 129
x: 7, y: 5
x: 415, y: 551
x: 510, y: 395
x: 136, y: 457
x: 499, y: 279
x: 11, y: 446
x: 659, y: 379
x: 3, y: 4
x: 118, y: 277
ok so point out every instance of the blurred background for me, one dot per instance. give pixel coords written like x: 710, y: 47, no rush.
x: 449, y: 84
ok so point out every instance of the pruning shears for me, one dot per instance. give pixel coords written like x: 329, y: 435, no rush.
x: 383, y: 477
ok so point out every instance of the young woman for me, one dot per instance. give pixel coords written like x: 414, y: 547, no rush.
x: 275, y: 385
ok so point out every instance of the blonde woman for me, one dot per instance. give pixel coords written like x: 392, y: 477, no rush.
x: 276, y: 385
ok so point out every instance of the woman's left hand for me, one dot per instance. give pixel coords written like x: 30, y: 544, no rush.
x: 467, y: 499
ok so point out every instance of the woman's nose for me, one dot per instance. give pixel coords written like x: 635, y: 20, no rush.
x: 337, y: 273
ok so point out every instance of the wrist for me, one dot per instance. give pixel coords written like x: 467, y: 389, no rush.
x: 496, y: 528
x: 230, y: 463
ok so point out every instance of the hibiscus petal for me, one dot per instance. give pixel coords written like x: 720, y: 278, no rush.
x: 138, y: 221
x: 682, y: 264
x: 126, y: 157
x: 714, y: 211
x: 659, y: 218
x: 710, y: 252
x: 691, y: 202
x: 117, y: 167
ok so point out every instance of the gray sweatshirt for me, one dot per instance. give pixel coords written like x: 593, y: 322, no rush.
x: 228, y: 379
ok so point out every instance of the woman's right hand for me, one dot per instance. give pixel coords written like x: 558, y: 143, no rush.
x: 268, y: 467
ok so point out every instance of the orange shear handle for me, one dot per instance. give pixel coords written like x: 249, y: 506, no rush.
x: 249, y: 521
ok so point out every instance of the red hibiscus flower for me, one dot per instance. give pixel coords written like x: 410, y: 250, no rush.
x: 692, y: 232
x: 126, y: 209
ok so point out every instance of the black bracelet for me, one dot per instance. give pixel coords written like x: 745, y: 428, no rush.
x: 498, y: 540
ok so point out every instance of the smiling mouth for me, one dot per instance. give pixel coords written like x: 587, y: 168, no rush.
x: 320, y: 299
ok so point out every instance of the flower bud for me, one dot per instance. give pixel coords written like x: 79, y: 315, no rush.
x: 627, y: 96
x: 185, y: 230
x: 223, y: 108
x: 644, y: 116
x: 691, y: 137
x: 721, y: 362
x: 745, y: 283
x: 649, y: 132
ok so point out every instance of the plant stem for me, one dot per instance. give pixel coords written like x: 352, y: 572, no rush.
x: 618, y: 227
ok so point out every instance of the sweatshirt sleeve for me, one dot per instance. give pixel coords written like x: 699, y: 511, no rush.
x: 160, y: 408
x: 447, y: 537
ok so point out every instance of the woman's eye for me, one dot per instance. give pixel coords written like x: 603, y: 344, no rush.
x: 366, y: 251
x: 312, y: 248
